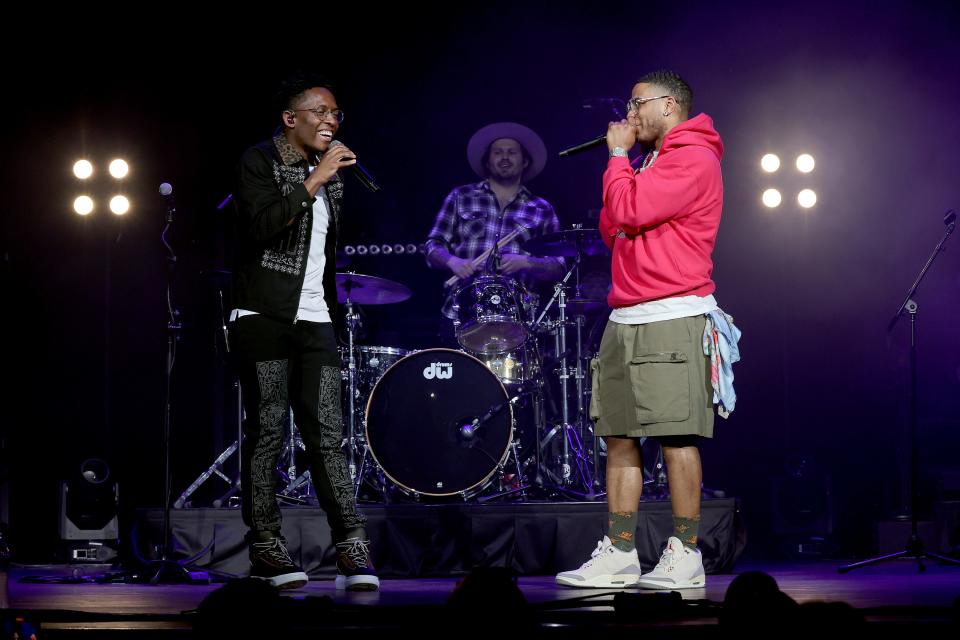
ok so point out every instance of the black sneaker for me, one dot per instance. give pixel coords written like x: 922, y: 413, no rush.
x: 270, y: 561
x: 355, y: 571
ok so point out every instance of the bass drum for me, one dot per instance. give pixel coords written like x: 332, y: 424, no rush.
x: 439, y: 423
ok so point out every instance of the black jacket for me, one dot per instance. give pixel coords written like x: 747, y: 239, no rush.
x: 271, y: 253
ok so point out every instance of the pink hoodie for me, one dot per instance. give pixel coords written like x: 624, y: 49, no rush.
x: 669, y: 215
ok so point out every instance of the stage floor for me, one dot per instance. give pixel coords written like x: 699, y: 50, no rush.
x: 889, y: 595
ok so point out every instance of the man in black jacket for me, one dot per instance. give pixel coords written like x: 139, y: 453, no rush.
x: 288, y: 199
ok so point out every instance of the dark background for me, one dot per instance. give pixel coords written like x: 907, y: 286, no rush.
x: 869, y: 88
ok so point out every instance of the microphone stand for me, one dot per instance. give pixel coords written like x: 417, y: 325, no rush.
x: 914, y: 548
x: 166, y: 570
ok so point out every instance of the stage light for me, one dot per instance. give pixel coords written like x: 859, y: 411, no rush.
x: 119, y: 168
x: 807, y: 198
x: 119, y: 205
x: 83, y: 205
x: 770, y: 163
x: 772, y: 198
x: 88, y: 513
x: 805, y: 163
x: 82, y: 169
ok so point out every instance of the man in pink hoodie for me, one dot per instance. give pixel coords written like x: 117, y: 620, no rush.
x: 653, y: 379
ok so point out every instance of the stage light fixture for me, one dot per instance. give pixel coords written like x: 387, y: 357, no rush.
x: 119, y: 168
x: 88, y: 513
x: 772, y: 198
x: 770, y: 162
x: 82, y: 169
x: 83, y: 205
x: 805, y: 163
x: 807, y: 198
x: 119, y: 205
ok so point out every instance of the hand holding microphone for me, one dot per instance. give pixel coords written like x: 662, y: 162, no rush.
x: 337, y: 157
x: 361, y: 174
x: 621, y: 134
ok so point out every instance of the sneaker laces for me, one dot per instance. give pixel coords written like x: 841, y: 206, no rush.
x: 670, y: 558
x: 274, y: 550
x: 357, y: 550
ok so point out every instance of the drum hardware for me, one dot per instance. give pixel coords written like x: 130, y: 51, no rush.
x: 571, y: 440
x: 299, y: 488
x: 221, y: 279
x: 361, y: 289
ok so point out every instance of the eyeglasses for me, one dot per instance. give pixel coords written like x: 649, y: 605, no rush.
x: 323, y: 112
x: 634, y: 104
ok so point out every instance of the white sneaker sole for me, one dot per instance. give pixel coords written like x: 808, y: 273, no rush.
x: 656, y: 585
x: 293, y: 580
x: 600, y: 582
x: 357, y: 583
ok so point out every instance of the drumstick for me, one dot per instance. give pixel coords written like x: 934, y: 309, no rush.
x: 483, y: 256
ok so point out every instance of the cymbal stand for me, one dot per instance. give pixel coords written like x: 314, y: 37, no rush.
x: 353, y: 322
x: 299, y: 489
x: 572, y: 442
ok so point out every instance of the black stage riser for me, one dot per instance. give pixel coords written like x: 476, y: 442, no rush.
x: 412, y: 541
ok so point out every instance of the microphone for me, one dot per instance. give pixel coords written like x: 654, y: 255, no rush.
x: 586, y: 146
x: 166, y: 190
x: 359, y: 172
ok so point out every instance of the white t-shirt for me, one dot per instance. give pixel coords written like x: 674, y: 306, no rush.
x: 312, y: 307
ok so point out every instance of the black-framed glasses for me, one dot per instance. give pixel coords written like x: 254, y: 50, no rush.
x: 634, y: 104
x: 323, y: 112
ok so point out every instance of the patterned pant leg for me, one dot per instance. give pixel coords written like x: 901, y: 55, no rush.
x: 262, y: 446
x: 322, y: 431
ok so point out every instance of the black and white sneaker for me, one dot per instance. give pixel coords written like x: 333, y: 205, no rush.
x: 355, y: 571
x: 270, y: 561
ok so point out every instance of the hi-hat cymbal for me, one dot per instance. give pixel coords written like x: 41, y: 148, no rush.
x: 361, y: 289
x: 568, y: 242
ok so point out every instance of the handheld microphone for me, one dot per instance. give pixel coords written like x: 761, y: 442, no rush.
x: 586, y: 146
x: 359, y: 172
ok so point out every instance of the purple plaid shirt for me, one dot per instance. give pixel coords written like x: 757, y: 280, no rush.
x: 466, y: 224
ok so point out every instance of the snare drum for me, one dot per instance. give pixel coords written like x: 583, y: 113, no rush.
x: 371, y: 363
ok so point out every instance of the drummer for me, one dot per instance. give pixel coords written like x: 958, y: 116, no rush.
x: 475, y: 216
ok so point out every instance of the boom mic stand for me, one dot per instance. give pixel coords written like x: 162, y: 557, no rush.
x: 914, y: 547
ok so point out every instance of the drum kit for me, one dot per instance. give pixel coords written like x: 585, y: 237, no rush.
x: 505, y: 414
x: 473, y: 422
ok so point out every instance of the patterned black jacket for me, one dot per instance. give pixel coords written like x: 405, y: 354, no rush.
x: 271, y: 253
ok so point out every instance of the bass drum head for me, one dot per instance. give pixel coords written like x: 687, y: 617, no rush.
x: 439, y: 423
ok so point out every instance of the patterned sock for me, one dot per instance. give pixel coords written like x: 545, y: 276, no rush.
x: 622, y: 529
x: 687, y: 529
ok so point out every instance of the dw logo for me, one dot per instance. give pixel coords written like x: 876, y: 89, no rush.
x: 440, y: 370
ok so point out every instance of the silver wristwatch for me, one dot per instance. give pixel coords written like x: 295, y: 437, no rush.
x: 618, y: 152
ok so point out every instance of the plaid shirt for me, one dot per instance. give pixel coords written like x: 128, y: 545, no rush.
x: 466, y: 224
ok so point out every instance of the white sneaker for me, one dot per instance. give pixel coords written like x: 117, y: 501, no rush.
x: 607, y: 568
x: 680, y: 567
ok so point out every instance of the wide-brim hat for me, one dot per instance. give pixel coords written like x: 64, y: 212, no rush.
x: 530, y: 141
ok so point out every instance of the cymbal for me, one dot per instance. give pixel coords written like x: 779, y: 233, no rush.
x: 568, y: 242
x: 361, y: 289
